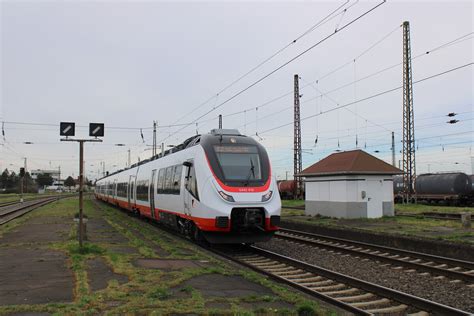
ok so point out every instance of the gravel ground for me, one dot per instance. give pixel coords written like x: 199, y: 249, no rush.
x: 443, y: 291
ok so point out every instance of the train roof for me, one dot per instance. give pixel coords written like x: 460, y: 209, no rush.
x: 190, y: 142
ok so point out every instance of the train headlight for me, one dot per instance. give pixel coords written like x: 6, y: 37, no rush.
x: 227, y: 197
x: 267, y: 196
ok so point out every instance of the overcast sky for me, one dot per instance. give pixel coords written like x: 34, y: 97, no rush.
x: 127, y: 63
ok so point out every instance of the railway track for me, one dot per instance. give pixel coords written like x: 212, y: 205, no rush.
x: 435, y: 265
x: 427, y: 215
x: 3, y: 204
x: 351, y: 294
x: 17, y: 209
x: 433, y: 215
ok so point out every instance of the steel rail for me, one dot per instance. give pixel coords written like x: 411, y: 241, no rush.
x: 411, y: 300
x: 415, y: 255
x: 21, y: 209
x: 383, y: 257
x: 33, y: 198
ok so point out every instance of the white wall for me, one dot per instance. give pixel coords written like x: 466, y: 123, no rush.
x: 326, y: 189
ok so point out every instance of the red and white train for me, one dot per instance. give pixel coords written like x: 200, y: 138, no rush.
x: 216, y: 187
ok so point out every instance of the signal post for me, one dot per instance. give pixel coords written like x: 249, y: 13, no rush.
x: 95, y: 130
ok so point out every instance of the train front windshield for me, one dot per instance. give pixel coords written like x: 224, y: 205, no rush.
x: 239, y: 163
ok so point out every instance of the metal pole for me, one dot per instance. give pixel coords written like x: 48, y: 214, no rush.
x: 162, y: 149
x: 129, y: 159
x: 21, y: 188
x: 81, y: 183
x: 220, y: 121
x: 297, y: 163
x: 26, y: 180
x: 393, y: 150
x: 154, y: 138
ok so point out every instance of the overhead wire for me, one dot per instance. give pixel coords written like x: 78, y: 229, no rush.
x: 372, y: 96
x: 284, y: 64
x: 444, y: 45
x: 321, y: 22
x: 325, y: 94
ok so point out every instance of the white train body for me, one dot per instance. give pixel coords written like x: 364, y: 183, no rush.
x: 217, y: 186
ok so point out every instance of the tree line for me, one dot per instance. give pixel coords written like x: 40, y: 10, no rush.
x: 10, y: 182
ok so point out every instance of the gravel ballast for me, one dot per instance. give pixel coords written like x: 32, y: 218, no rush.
x: 443, y: 291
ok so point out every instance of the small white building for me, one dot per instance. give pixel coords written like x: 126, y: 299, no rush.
x: 350, y: 184
x: 54, y: 173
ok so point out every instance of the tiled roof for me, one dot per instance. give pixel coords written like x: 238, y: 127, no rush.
x: 350, y: 162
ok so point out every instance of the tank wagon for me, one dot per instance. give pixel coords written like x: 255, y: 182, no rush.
x: 455, y: 188
x: 287, y: 189
x: 217, y: 187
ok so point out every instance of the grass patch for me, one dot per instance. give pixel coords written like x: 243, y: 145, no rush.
x: 421, y: 208
x: 86, y: 249
x: 285, y: 212
x: 397, y: 225
x: 292, y: 203
x: 148, y: 291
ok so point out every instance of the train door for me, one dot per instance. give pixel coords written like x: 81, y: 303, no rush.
x: 152, y: 193
x: 131, y: 187
x: 190, y: 194
x: 115, y: 190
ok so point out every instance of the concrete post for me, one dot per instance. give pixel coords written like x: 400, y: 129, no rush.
x: 466, y: 220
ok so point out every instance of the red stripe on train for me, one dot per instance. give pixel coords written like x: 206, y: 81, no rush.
x: 205, y: 224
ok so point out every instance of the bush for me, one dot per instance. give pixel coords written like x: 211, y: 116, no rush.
x: 306, y: 310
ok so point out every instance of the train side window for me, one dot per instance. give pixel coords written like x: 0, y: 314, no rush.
x: 142, y: 190
x: 121, y: 190
x: 168, y: 180
x: 161, y: 176
x: 177, y: 179
x: 191, y: 182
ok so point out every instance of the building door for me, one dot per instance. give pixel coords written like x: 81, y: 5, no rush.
x: 374, y: 198
x: 152, y: 193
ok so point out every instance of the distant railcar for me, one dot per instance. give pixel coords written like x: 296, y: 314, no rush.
x: 443, y: 183
x: 216, y: 187
x: 287, y: 189
x: 453, y: 188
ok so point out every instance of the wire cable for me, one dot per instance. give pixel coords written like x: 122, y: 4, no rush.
x: 323, y: 21
x: 371, y: 97
x: 282, y: 65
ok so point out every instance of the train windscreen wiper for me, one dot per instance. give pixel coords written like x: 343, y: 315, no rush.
x: 251, y: 172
